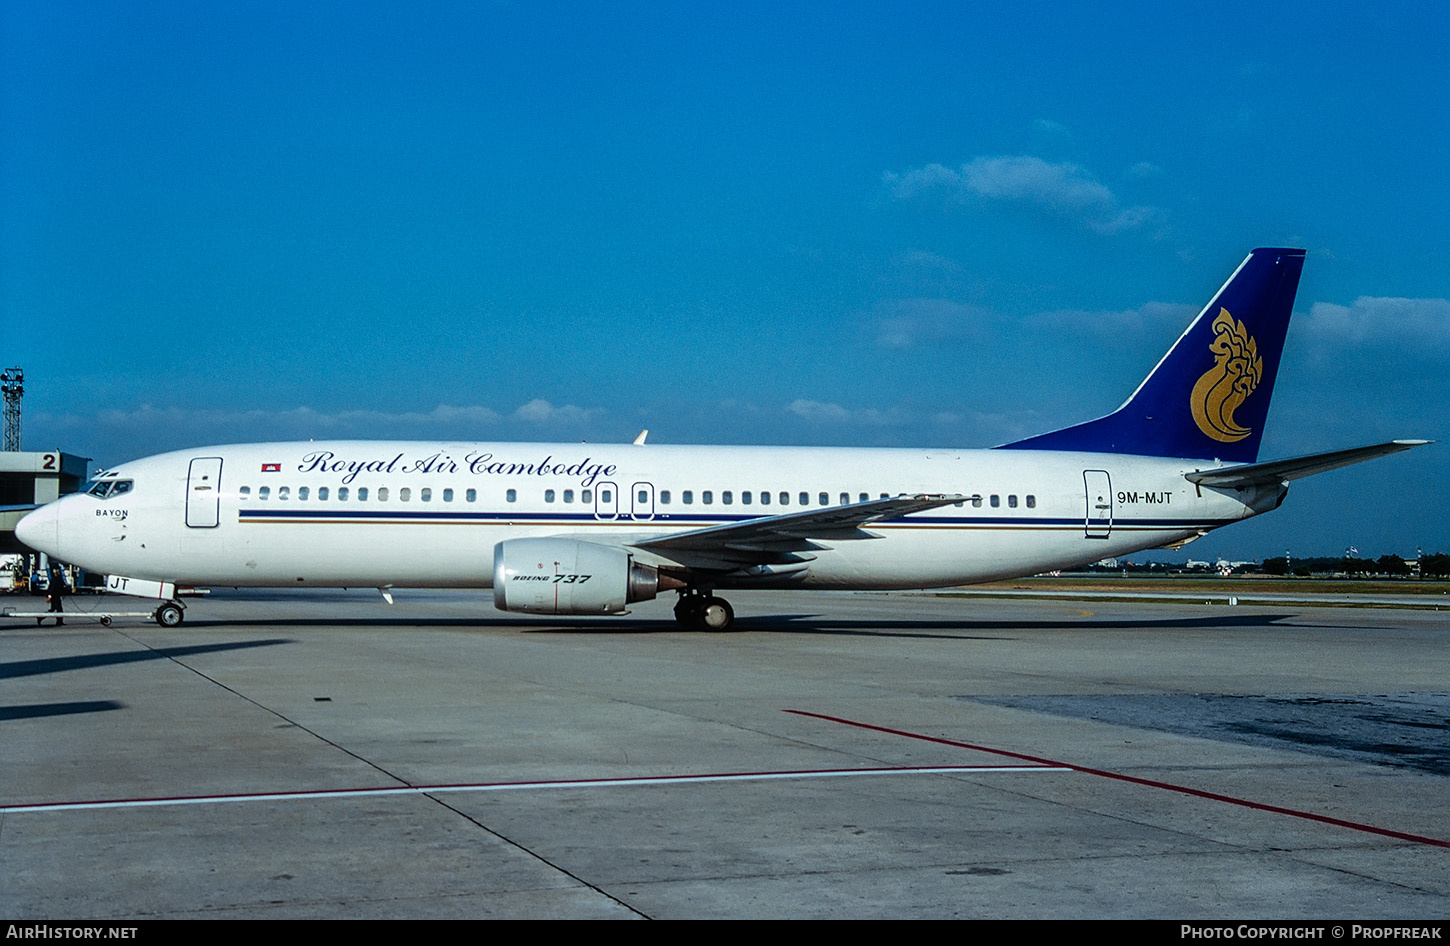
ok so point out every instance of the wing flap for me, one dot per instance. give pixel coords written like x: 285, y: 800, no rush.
x: 787, y: 538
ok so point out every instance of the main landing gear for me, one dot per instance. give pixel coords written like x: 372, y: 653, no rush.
x: 699, y: 610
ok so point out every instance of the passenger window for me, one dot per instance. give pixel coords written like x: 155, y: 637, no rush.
x: 784, y: 498
x: 1012, y: 501
x: 512, y: 495
x: 707, y: 497
x: 404, y: 494
x: 976, y: 502
x: 764, y: 498
x: 245, y: 492
x: 864, y: 498
x: 264, y: 493
x: 665, y: 497
x: 302, y: 492
x: 282, y: 492
x: 362, y: 494
x: 382, y: 494
x: 995, y: 500
x: 342, y: 494
x: 548, y: 495
x: 726, y: 497
x: 1031, y: 501
x: 688, y: 497
x: 805, y: 499
x: 606, y: 496
x: 825, y: 499
x: 448, y: 495
x: 845, y: 499
x: 471, y: 495
x: 321, y: 493
x: 587, y: 496
x: 568, y: 495
x: 425, y: 494
x: 643, y: 497
x: 745, y: 498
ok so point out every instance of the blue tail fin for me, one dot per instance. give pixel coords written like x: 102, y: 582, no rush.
x: 1209, y: 396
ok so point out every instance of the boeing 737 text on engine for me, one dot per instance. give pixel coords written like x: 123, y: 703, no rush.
x: 575, y: 530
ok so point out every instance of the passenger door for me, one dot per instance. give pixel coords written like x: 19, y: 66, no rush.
x: 642, y: 501
x: 1098, y: 488
x: 203, y: 493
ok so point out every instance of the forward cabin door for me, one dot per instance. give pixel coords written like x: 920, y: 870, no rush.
x: 203, y: 493
x: 1099, y: 494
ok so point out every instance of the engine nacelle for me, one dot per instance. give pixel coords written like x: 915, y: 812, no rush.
x: 566, y: 576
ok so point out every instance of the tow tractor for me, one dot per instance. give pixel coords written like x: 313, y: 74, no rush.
x: 168, y: 612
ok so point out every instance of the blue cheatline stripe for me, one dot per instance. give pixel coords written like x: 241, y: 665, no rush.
x: 407, y: 516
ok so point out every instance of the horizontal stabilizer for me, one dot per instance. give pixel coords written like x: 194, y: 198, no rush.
x: 1281, y: 471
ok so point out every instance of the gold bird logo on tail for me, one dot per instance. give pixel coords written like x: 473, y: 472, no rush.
x: 1235, y: 373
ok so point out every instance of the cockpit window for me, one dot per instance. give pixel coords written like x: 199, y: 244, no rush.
x: 105, y: 489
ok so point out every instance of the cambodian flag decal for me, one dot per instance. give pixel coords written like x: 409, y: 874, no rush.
x: 271, y: 468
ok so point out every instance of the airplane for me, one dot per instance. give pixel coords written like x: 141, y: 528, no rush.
x: 575, y: 529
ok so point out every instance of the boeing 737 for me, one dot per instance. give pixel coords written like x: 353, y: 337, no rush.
x: 573, y: 529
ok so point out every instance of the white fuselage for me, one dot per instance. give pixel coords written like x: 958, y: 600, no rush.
x: 359, y: 513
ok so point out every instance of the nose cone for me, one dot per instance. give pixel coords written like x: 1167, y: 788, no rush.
x: 40, y: 530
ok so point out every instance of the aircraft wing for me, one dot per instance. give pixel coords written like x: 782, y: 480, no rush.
x: 1281, y: 471
x: 787, y: 538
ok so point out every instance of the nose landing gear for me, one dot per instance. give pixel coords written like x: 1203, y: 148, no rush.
x: 699, y: 610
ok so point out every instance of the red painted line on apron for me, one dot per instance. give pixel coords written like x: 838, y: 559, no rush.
x: 1133, y: 779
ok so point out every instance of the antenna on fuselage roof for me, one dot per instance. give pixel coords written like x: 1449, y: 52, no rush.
x: 639, y: 441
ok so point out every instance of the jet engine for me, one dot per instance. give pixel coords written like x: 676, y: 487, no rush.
x: 567, y: 576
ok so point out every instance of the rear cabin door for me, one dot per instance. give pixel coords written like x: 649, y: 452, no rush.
x: 203, y: 493
x: 1099, y: 494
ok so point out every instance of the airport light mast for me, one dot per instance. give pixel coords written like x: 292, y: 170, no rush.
x: 11, y: 384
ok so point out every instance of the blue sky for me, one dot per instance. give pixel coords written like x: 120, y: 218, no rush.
x: 846, y: 223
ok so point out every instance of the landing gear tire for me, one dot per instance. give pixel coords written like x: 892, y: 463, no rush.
x: 169, y: 615
x: 716, y: 615
x: 702, y: 612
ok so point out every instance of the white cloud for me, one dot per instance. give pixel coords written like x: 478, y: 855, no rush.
x: 1047, y: 126
x: 540, y: 411
x: 292, y: 422
x: 921, y: 423
x: 118, y: 434
x: 820, y: 412
x: 907, y: 323
x: 1064, y: 190
x: 1419, y: 324
x: 1118, y: 324
x: 902, y: 323
x: 925, y: 261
